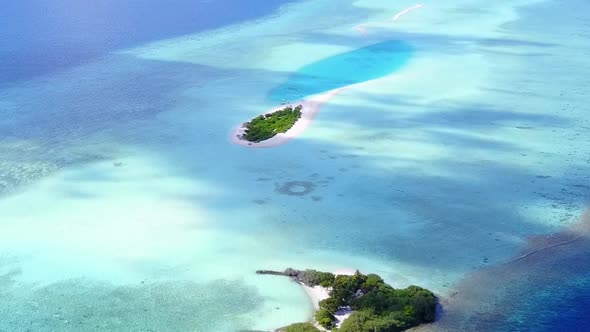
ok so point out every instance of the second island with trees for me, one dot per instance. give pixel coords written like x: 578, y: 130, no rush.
x: 377, y: 307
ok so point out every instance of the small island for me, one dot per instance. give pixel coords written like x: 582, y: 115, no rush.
x: 268, y: 125
x: 374, y: 305
x: 282, y: 124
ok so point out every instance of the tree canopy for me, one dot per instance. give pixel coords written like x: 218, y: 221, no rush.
x: 267, y: 126
x: 377, y: 306
x: 300, y: 327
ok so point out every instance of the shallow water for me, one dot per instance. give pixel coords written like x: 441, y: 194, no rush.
x: 120, y: 189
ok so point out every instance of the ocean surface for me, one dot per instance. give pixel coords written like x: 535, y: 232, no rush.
x: 461, y: 139
x: 41, y: 37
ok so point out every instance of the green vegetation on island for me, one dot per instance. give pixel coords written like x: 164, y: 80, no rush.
x: 376, y: 306
x: 314, y: 278
x: 266, y: 126
x: 301, y: 327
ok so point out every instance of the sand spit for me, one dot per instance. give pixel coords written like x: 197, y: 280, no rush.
x: 310, y: 109
x: 405, y: 12
x: 361, y: 28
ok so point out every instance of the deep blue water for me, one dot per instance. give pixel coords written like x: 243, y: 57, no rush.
x: 573, y: 306
x: 558, y: 304
x: 356, y: 66
x: 42, y: 36
x: 546, y: 292
x: 556, y: 299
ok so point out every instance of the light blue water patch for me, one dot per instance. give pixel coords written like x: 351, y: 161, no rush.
x: 344, y: 69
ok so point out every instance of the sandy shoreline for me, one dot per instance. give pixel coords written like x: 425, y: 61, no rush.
x: 316, y: 294
x: 319, y: 293
x: 310, y: 109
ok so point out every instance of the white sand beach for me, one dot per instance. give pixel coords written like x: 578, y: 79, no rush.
x: 316, y: 294
x: 341, y: 315
x: 319, y: 293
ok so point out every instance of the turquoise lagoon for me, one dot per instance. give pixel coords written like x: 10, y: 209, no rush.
x: 125, y: 207
x: 344, y: 69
